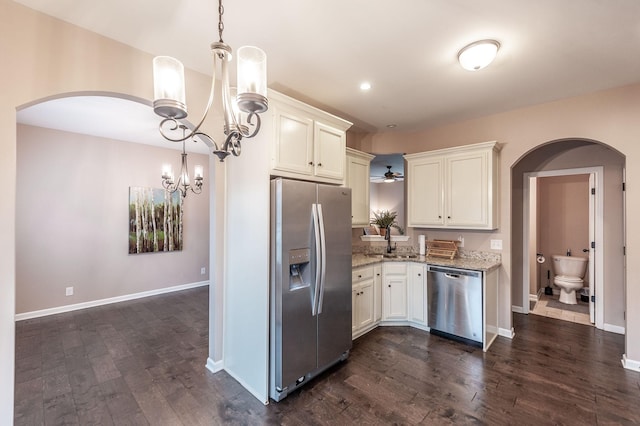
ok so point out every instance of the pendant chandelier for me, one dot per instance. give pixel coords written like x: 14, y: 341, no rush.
x: 183, y: 184
x: 241, y: 119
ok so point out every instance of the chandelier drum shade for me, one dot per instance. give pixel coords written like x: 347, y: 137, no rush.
x: 241, y: 119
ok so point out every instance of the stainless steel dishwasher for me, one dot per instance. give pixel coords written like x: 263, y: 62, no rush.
x: 455, y: 303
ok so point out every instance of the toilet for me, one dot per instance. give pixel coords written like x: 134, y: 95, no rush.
x: 569, y: 273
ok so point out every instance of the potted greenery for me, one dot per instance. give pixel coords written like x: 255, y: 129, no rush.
x: 385, y: 218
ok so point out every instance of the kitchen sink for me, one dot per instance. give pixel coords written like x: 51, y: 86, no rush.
x: 399, y: 256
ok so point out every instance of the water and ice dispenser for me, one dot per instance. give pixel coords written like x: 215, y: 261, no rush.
x: 299, y: 268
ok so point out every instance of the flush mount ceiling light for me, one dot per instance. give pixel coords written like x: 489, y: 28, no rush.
x: 364, y: 86
x: 478, y: 55
x: 240, y: 111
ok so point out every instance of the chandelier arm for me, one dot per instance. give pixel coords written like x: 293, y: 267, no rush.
x: 227, y: 104
x: 256, y: 126
x: 232, y: 143
x: 174, y: 126
x: 213, y: 141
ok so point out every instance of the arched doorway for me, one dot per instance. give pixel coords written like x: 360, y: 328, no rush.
x: 556, y: 157
x: 75, y: 165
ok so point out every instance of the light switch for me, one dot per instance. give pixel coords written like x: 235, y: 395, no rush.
x: 496, y: 244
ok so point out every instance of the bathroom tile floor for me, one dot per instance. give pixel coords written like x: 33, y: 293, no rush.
x: 542, y: 309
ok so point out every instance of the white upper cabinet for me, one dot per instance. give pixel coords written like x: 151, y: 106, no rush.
x: 453, y: 187
x: 358, y: 165
x: 308, y: 143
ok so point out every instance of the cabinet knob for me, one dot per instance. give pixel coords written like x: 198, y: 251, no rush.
x: 419, y: 275
x: 448, y: 217
x: 311, y: 163
x: 389, y: 285
x: 359, y: 276
x: 378, y: 274
x: 319, y: 164
x: 439, y: 217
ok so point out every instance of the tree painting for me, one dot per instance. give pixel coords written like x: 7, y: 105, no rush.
x: 155, y: 220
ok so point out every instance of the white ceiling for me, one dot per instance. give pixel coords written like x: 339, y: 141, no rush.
x: 319, y: 51
x: 107, y: 117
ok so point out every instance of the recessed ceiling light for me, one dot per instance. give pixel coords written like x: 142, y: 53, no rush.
x: 478, y: 55
x: 392, y: 126
x: 364, y: 86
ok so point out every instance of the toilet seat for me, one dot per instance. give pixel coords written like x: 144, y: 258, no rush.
x: 568, y: 279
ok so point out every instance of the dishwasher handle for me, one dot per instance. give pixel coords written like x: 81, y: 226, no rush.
x: 454, y: 273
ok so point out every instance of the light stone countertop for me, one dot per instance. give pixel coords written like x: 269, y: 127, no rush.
x: 476, y: 263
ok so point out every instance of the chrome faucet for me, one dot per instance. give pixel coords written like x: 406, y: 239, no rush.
x: 388, y: 238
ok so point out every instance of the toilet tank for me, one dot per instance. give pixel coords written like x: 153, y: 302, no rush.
x: 570, y: 266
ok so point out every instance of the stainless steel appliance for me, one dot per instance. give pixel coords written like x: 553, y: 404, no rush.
x: 455, y: 303
x: 310, y: 310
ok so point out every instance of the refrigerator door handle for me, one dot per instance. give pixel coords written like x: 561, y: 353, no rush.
x: 317, y: 235
x: 324, y: 257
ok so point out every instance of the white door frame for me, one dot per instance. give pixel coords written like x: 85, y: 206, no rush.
x: 598, y: 173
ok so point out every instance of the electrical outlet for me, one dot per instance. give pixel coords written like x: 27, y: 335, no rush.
x: 461, y: 241
x: 68, y: 291
x: 496, y: 244
x: 203, y: 271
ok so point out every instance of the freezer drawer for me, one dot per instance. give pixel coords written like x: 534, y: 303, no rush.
x: 455, y: 302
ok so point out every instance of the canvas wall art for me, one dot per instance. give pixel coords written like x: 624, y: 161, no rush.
x: 155, y: 220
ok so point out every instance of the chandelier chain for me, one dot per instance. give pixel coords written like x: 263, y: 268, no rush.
x: 220, y: 23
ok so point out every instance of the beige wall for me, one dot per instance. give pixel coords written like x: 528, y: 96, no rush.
x: 72, y: 220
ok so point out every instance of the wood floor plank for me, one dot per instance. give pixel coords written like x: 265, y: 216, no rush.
x: 143, y: 362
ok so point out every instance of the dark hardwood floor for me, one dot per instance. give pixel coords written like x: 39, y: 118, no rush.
x: 143, y: 362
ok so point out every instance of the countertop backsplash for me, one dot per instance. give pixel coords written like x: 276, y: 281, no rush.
x: 411, y: 247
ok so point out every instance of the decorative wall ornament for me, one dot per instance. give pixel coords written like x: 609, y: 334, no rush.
x: 155, y: 220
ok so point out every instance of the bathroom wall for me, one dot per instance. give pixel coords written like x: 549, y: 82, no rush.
x: 563, y: 221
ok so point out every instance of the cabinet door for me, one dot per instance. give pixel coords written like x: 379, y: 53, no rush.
x: 377, y: 293
x: 425, y: 192
x: 365, y: 304
x: 358, y: 181
x: 467, y: 185
x: 329, y: 151
x: 417, y: 294
x: 395, y: 298
x: 293, y: 147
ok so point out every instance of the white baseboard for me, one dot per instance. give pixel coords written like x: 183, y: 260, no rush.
x: 614, y: 328
x: 214, y: 366
x: 630, y: 364
x: 517, y: 309
x: 509, y: 334
x: 100, y: 302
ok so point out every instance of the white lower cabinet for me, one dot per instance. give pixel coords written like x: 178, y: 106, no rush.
x: 362, y: 300
x: 394, y: 292
x: 417, y: 288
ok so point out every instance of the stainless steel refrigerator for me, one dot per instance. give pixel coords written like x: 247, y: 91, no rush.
x: 310, y: 311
